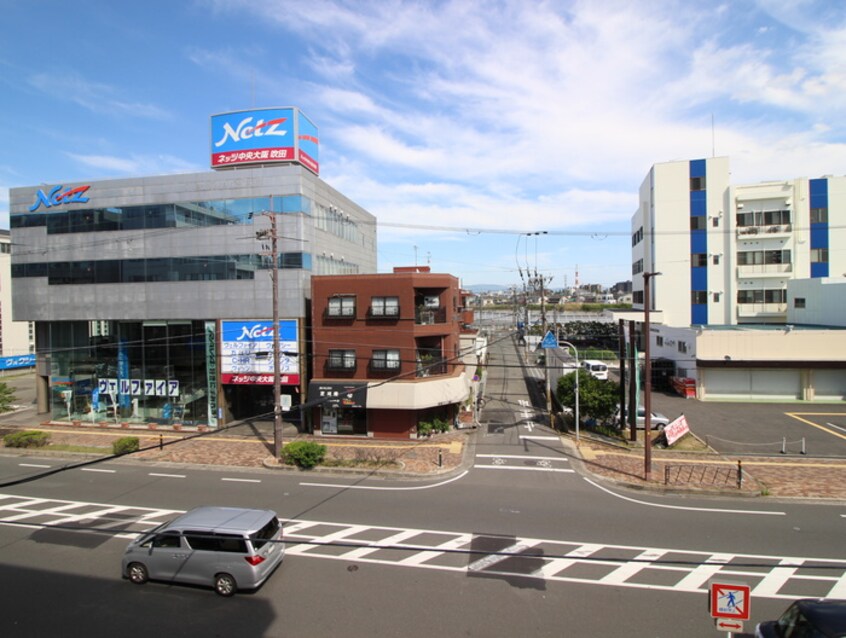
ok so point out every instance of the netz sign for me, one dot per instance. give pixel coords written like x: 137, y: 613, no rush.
x: 59, y: 195
x: 263, y: 136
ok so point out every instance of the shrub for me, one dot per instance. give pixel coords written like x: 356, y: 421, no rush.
x: 304, y: 454
x: 441, y: 425
x: 26, y: 438
x: 424, y: 428
x: 125, y: 445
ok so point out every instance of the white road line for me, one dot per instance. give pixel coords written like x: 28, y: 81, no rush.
x: 627, y: 570
x: 557, y: 565
x: 166, y: 475
x: 683, y: 507
x: 92, y: 469
x: 836, y: 427
x: 777, y: 577
x: 521, y: 467
x: 539, y: 438
x: 839, y: 589
x: 386, y: 489
x: 240, y: 480
x: 34, y: 465
x: 701, y: 574
x: 493, y: 559
x: 396, y: 539
x: 422, y: 557
x: 522, y: 456
x: 329, y: 538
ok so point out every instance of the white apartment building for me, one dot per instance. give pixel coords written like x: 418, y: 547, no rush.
x: 726, y: 252
x: 17, y: 338
x: 751, y: 289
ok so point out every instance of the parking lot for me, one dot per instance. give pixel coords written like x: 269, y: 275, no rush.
x: 762, y: 428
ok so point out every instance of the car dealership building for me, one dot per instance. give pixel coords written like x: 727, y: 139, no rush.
x: 152, y: 296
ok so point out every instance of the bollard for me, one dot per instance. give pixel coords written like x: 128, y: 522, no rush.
x: 784, y: 445
x: 161, y: 442
x: 666, y: 475
x: 440, y: 458
x: 803, y: 445
x: 739, y: 475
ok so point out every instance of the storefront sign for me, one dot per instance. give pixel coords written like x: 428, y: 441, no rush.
x: 211, y: 373
x: 338, y: 395
x: 22, y: 361
x: 56, y: 197
x: 246, y: 352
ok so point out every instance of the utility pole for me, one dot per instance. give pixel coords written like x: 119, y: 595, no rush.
x: 274, y: 276
x: 647, y: 380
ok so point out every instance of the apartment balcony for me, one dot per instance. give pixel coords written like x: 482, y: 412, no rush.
x: 761, y: 310
x: 764, y: 270
x: 424, y: 316
x: 429, y: 368
x: 774, y: 230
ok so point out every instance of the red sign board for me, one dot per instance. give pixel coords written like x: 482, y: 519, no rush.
x: 676, y: 430
x: 730, y: 601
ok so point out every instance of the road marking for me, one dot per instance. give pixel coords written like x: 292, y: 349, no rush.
x: 562, y: 561
x: 522, y: 456
x: 166, y: 475
x: 348, y: 486
x: 33, y: 465
x: 240, y: 480
x: 539, y: 438
x: 93, y: 469
x: 520, y: 467
x: 684, y: 507
x: 836, y: 427
x: 796, y: 415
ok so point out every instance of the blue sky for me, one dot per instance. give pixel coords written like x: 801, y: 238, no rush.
x: 461, y: 125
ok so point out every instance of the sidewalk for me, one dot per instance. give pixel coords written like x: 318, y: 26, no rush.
x: 251, y: 444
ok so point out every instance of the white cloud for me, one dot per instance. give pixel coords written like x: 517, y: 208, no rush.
x: 135, y: 164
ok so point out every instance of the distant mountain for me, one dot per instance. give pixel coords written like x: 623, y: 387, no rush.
x: 477, y: 288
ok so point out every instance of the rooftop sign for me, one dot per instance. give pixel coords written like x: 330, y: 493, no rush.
x: 264, y: 136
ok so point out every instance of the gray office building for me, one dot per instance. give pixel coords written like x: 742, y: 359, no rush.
x: 152, y: 297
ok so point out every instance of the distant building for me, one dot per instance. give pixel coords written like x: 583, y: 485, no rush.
x: 16, y: 337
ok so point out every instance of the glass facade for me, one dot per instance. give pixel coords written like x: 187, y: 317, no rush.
x: 129, y: 371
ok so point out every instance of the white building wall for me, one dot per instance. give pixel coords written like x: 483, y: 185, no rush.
x: 817, y: 302
x: 16, y: 337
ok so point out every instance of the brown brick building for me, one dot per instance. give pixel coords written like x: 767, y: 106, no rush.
x: 387, y: 352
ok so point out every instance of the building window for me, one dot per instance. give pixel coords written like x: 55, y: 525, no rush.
x: 698, y: 297
x: 716, y: 297
x: 715, y: 222
x: 819, y: 215
x: 697, y: 260
x: 385, y: 360
x: 819, y: 255
x: 799, y: 302
x: 637, y: 297
x: 341, y: 360
x: 683, y: 347
x: 384, y: 306
x: 697, y: 183
x: 659, y: 340
x: 698, y: 222
x: 637, y: 237
x: 637, y: 267
x: 341, y: 307
x: 715, y: 259
x: 773, y: 295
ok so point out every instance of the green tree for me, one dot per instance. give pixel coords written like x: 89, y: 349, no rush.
x: 7, y: 397
x: 597, y: 398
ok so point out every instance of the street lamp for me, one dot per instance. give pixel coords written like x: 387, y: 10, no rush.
x: 647, y: 381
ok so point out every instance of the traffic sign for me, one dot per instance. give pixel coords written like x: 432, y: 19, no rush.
x: 549, y: 340
x: 730, y: 601
x: 731, y: 626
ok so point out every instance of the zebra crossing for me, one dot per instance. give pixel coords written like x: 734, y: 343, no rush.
x: 473, y: 554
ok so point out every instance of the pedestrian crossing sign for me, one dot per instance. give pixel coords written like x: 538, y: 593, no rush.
x: 729, y: 600
x: 549, y: 340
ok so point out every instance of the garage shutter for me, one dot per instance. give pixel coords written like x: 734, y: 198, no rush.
x: 829, y: 385
x: 752, y: 384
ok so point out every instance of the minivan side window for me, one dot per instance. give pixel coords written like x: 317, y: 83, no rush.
x: 168, y: 539
x: 216, y: 542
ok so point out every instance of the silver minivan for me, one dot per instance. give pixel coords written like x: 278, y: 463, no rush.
x: 228, y: 548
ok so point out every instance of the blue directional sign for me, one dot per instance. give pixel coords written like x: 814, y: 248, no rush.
x: 549, y: 341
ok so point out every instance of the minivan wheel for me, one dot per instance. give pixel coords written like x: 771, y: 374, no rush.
x: 137, y: 573
x: 224, y: 584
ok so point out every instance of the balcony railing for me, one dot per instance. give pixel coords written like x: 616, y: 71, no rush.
x: 432, y: 368
x: 770, y: 229
x: 340, y: 366
x: 761, y: 309
x: 378, y: 366
x: 763, y: 269
x: 428, y: 316
x: 340, y: 313
x: 379, y: 312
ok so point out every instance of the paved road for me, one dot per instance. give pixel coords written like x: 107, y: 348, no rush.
x: 519, y: 545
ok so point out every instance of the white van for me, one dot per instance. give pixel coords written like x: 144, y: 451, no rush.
x: 596, y: 368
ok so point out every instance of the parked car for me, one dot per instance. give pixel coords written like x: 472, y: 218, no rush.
x: 815, y: 617
x: 228, y: 548
x: 657, y: 422
x: 596, y: 368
